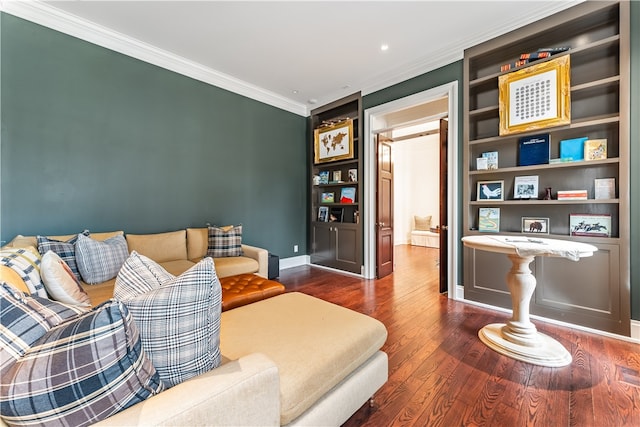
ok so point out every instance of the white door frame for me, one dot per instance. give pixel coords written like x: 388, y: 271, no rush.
x: 449, y: 90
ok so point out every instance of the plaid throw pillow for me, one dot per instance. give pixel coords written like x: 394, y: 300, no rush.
x: 179, y: 319
x: 100, y: 261
x: 65, y: 250
x: 225, y: 241
x: 25, y: 319
x: 27, y: 264
x: 80, y: 372
x: 138, y: 275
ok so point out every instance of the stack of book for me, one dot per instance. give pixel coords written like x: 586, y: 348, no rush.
x: 526, y: 58
x: 572, y: 195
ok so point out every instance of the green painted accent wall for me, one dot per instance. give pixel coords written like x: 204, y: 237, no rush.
x: 635, y: 160
x: 443, y: 75
x: 93, y: 139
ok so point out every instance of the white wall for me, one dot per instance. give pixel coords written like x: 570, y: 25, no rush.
x: 416, y: 172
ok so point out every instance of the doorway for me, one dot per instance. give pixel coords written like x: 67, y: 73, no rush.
x: 375, y: 121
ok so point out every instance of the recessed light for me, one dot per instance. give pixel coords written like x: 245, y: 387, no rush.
x: 384, y: 47
x: 294, y: 91
x: 312, y: 101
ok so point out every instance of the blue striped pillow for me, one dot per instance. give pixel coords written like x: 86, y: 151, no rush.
x: 25, y: 319
x: 100, y: 261
x: 80, y: 372
x: 179, y: 319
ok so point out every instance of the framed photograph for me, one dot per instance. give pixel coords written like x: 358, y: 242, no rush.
x: 336, y: 214
x: 491, y: 190
x: 324, y: 177
x: 536, y: 97
x: 604, y: 188
x: 489, y: 220
x: 353, y: 175
x: 334, y: 142
x: 525, y: 187
x: 337, y: 176
x: 590, y: 225
x: 535, y: 225
x: 323, y: 214
x: 327, y: 197
x: 492, y: 159
x: 482, y: 164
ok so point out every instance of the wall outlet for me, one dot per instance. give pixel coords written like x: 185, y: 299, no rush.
x: 295, y: 248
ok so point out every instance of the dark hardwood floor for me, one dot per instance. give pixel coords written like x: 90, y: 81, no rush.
x: 440, y: 374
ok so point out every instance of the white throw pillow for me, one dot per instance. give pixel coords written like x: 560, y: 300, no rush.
x: 60, y: 282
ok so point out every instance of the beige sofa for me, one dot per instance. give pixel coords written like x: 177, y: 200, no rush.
x: 176, y: 251
x: 288, y: 360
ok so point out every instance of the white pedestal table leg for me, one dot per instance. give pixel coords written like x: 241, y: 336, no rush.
x: 519, y: 338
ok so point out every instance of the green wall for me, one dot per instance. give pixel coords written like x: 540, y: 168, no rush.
x: 93, y: 139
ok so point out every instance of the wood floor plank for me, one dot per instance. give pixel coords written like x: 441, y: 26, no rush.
x: 441, y: 374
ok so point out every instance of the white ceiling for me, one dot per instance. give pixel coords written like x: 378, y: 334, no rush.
x: 296, y: 55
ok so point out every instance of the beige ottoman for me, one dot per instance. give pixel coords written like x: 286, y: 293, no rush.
x: 316, y: 346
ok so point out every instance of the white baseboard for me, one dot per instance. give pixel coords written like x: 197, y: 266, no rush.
x: 295, y: 261
x: 635, y: 330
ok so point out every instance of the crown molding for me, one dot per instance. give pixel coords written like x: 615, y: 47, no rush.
x: 50, y: 17
x: 456, y: 53
x: 43, y: 14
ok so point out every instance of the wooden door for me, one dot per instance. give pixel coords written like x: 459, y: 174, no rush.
x: 384, y: 215
x: 444, y: 227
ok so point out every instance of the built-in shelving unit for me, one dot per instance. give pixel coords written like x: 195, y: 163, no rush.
x: 337, y: 243
x: 593, y: 292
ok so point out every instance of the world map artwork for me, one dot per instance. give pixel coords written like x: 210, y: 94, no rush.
x: 334, y: 144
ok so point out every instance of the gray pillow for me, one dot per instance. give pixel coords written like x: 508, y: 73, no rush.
x: 100, y: 261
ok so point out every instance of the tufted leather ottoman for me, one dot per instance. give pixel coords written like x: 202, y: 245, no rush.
x: 244, y: 289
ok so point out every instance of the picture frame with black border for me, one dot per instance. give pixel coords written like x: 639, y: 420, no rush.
x: 535, y: 225
x: 336, y: 215
x: 490, y: 191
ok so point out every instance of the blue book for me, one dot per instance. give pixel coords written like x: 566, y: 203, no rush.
x: 572, y: 149
x: 534, y: 150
